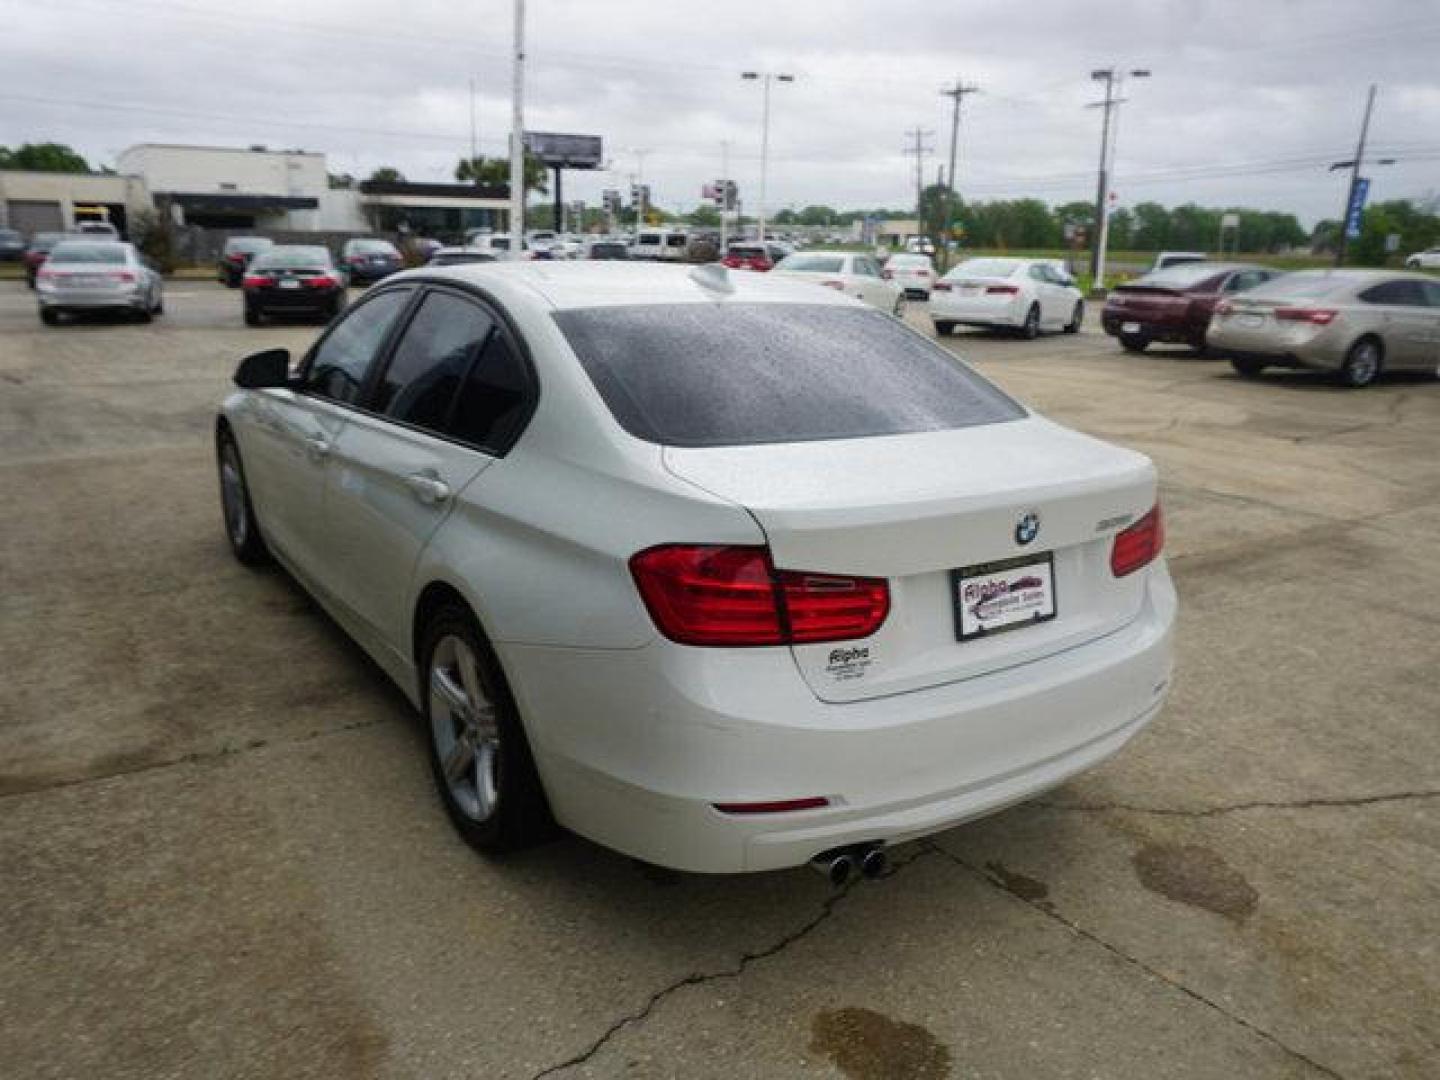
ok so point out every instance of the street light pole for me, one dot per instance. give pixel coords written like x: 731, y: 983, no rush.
x: 517, y: 136
x: 1355, y: 167
x: 767, y: 77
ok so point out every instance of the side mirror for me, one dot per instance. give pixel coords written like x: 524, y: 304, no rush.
x: 270, y: 368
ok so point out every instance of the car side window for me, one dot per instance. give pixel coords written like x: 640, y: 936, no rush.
x: 338, y: 367
x: 1401, y: 293
x: 1432, y: 293
x: 1246, y: 279
x: 495, y: 400
x: 431, y: 361
x: 1039, y: 274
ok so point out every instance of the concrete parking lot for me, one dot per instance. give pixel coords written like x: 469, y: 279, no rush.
x: 220, y: 854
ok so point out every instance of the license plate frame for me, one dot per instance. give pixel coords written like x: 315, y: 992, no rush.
x: 1250, y: 320
x: 289, y: 283
x: 1037, y: 603
x: 1130, y: 328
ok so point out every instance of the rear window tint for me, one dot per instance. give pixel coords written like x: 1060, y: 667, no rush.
x: 813, y: 264
x: 1309, y: 284
x: 985, y: 268
x: 1181, y: 275
x: 73, y: 252
x: 745, y: 373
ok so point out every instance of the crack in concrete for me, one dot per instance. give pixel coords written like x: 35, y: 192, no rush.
x: 1048, y: 909
x: 1319, y: 802
x: 198, y: 757
x: 698, y: 978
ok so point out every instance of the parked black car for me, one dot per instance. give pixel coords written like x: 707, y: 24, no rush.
x: 368, y: 261
x: 12, y: 245
x: 607, y: 249
x: 235, y: 256
x: 293, y: 281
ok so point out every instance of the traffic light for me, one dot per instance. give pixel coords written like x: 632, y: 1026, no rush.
x: 731, y: 197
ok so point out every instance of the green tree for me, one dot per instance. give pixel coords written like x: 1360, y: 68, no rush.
x: 495, y: 172
x: 1152, y: 227
x: 43, y: 157
x: 818, y: 216
x: 387, y: 174
x: 1080, y: 214
x: 1122, y: 229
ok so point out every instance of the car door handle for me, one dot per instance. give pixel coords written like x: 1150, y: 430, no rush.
x: 430, y: 490
x: 317, y: 447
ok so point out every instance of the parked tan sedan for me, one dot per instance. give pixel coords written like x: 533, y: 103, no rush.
x: 1356, y: 323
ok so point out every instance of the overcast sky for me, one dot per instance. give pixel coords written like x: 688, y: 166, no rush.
x: 1248, y: 103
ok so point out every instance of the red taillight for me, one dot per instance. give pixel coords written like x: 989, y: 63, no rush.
x: 761, y: 264
x: 941, y: 286
x: 1318, y: 316
x: 1224, y: 307
x: 320, y: 281
x: 46, y: 274
x: 733, y: 262
x: 257, y: 281
x: 1139, y: 545
x: 780, y: 806
x: 708, y: 594
x: 236, y: 256
x: 833, y: 284
x: 120, y: 275
x: 1009, y: 290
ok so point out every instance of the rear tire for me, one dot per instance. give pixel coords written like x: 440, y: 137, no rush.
x: 252, y: 316
x: 479, y: 755
x: 899, y: 309
x: 1246, y: 368
x: 1076, y: 319
x: 1362, y: 363
x: 241, y: 527
x: 1133, y: 343
x: 49, y: 317
x: 1030, y: 329
x: 944, y: 329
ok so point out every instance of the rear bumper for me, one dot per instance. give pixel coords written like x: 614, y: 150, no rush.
x: 1324, y: 351
x: 92, y: 300
x: 635, y: 746
x: 298, y: 302
x: 977, y: 311
x: 1178, y: 333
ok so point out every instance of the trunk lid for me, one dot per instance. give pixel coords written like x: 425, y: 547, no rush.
x: 913, y: 509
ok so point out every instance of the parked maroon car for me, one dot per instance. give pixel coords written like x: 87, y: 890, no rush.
x: 38, y: 250
x: 1174, y: 305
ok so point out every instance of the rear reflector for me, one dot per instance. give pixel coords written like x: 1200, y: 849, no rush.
x: 782, y: 806
x: 1318, y: 316
x: 709, y: 594
x: 1008, y: 289
x: 1139, y: 545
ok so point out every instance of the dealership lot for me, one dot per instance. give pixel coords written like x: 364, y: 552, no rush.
x: 222, y: 854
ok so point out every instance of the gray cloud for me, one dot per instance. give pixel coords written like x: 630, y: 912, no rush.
x: 1247, y: 103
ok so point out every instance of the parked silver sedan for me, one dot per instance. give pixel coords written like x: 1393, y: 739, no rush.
x: 1354, y: 323
x: 98, y: 275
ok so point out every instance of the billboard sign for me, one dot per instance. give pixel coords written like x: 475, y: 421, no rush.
x: 566, y: 151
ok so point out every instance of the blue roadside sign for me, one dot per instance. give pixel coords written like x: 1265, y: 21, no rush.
x: 1356, y: 208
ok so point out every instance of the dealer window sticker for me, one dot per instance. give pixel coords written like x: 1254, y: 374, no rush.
x: 849, y: 662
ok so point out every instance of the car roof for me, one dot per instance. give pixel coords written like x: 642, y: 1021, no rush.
x: 568, y: 285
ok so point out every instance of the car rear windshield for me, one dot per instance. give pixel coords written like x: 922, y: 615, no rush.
x: 460, y: 258
x: 813, y: 264
x: 908, y: 260
x: 1180, y: 275
x: 373, y: 247
x: 248, y: 244
x: 293, y: 258
x: 747, y: 251
x: 746, y: 373
x: 72, y: 252
x: 985, y: 268
x: 1307, y: 285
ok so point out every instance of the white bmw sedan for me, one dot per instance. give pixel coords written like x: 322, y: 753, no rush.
x: 724, y: 571
x: 1024, y: 295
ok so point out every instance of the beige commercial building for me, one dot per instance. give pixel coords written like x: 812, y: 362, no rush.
x: 53, y: 202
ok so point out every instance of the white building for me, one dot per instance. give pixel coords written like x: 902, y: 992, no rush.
x: 53, y: 202
x: 223, y: 187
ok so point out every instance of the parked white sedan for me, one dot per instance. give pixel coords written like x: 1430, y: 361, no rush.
x: 684, y: 558
x: 1429, y: 259
x: 1025, y: 295
x: 854, y: 273
x: 913, y: 273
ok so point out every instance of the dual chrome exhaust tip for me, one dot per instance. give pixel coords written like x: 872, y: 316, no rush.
x: 839, y: 865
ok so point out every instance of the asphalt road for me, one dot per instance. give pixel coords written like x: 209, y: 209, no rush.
x: 220, y: 854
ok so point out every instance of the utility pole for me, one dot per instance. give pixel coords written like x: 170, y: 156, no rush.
x: 956, y: 93
x: 517, y: 136
x: 919, y: 149
x: 724, y: 195
x: 639, y: 183
x: 1113, y: 81
x: 1354, y: 166
x: 474, y: 138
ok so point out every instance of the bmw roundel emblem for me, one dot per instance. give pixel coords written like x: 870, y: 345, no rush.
x: 1027, y: 528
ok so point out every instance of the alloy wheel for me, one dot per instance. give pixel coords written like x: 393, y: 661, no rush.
x: 232, y: 495
x: 464, y: 729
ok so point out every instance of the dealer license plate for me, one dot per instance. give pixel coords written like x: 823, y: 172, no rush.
x: 1250, y: 319
x: 289, y: 283
x: 1004, y: 595
x: 1129, y: 327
